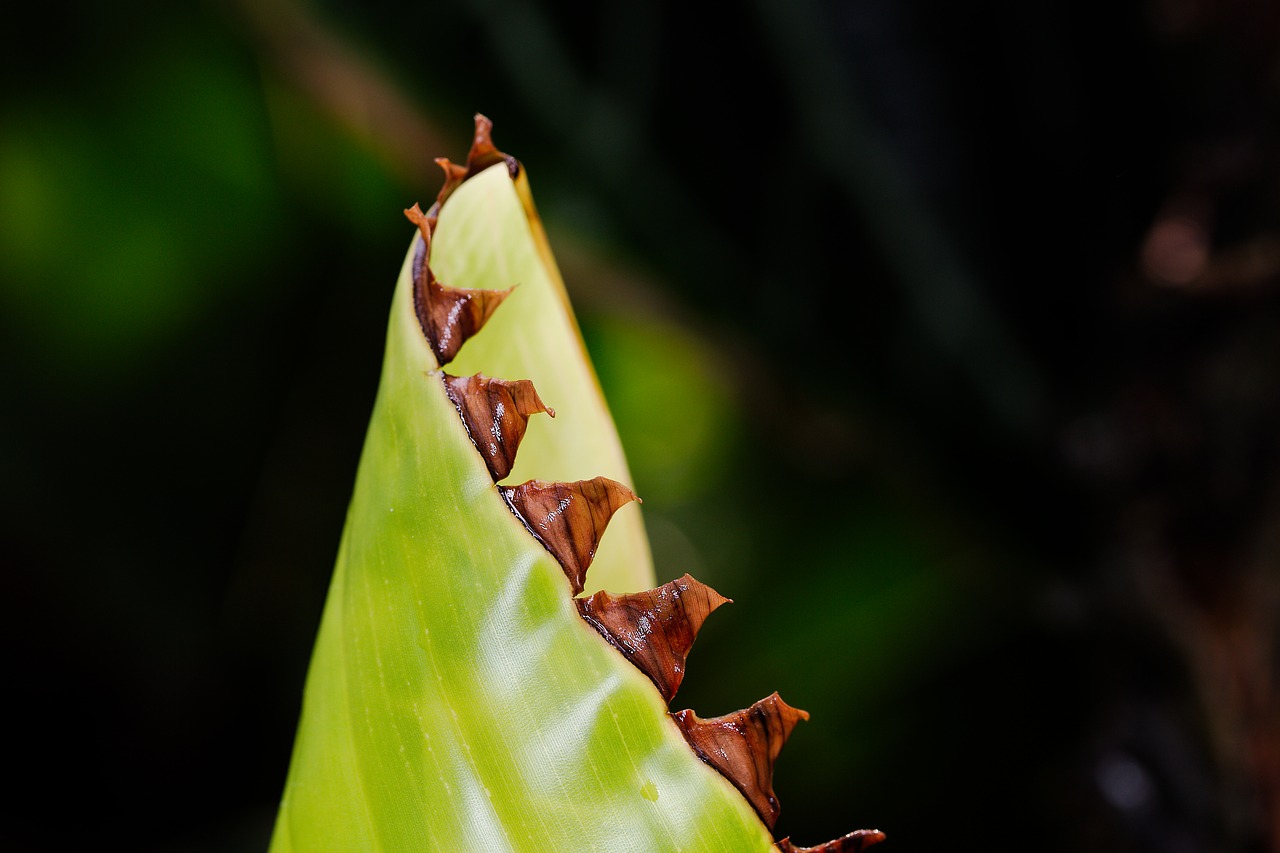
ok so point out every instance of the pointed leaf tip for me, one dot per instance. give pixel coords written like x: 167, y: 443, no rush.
x: 656, y: 628
x: 744, y: 745
x: 569, y: 518
x: 496, y: 413
x: 854, y: 842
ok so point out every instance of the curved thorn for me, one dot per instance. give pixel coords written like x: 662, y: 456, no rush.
x: 449, y: 316
x: 422, y: 275
x: 454, y: 175
x: 496, y: 413
x: 484, y: 153
x: 569, y: 518
x: 854, y: 842
x: 424, y: 222
x: 656, y: 628
x: 744, y: 745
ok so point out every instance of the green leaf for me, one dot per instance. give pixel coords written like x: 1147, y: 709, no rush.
x: 456, y: 700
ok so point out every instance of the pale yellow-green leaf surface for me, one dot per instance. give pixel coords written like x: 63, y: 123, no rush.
x: 456, y: 701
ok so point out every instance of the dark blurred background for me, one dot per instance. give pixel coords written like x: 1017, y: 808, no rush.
x: 943, y: 337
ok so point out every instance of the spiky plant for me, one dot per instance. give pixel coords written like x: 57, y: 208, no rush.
x: 460, y: 697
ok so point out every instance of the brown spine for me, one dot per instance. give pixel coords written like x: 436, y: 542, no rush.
x: 656, y: 628
x: 744, y: 745
x: 569, y: 518
x: 482, y: 155
x: 454, y: 175
x: 496, y: 412
x: 854, y: 842
x: 449, y: 316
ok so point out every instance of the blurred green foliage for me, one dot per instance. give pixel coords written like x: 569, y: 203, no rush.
x: 132, y: 209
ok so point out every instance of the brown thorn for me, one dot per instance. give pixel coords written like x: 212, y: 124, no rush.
x: 496, y: 413
x: 449, y: 316
x: 744, y: 745
x: 482, y: 154
x: 569, y: 518
x: 854, y: 842
x: 420, y: 219
x: 656, y: 628
x: 454, y: 175
x: 422, y: 275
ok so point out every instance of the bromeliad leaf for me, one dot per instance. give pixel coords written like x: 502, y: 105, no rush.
x: 456, y: 700
x: 457, y: 697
